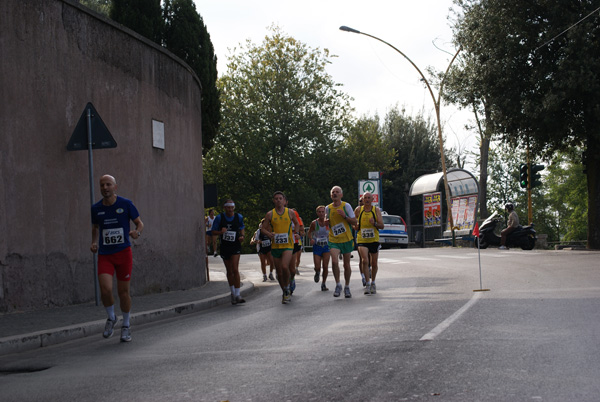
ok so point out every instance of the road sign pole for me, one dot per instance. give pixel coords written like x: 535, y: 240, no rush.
x: 92, y: 198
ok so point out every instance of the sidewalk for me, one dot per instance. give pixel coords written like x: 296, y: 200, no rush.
x: 30, y: 330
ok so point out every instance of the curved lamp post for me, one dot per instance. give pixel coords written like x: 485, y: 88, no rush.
x: 436, y: 103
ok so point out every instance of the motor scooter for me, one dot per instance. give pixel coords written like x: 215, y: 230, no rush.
x: 522, y: 236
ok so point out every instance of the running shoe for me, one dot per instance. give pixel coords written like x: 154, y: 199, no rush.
x: 502, y: 248
x: 338, y: 290
x: 271, y: 277
x: 364, y: 281
x: 109, y: 327
x: 316, y: 278
x: 324, y: 288
x: 264, y: 278
x: 233, y: 300
x: 347, y: 293
x: 287, y: 295
x: 292, y: 286
x: 367, y: 289
x: 283, y: 301
x: 216, y: 254
x: 373, y: 289
x: 125, y: 334
x: 239, y: 300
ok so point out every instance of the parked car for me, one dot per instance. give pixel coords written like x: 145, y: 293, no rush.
x: 394, y: 231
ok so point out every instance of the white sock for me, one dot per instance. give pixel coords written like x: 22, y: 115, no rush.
x: 110, y: 310
x: 232, y: 290
x: 339, y: 284
x: 237, y: 292
x: 126, y: 319
x: 363, y: 275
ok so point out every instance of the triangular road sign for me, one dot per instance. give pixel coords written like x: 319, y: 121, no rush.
x: 101, y: 137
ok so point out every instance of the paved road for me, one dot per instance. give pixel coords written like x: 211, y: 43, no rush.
x: 425, y: 336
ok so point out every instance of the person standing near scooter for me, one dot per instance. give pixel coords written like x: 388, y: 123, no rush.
x: 513, y: 223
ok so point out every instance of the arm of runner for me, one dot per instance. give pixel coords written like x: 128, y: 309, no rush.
x: 139, y: 226
x: 311, y: 229
x: 94, y: 246
x: 379, y: 225
x: 350, y: 217
x: 266, y: 226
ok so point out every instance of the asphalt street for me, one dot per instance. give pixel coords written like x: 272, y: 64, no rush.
x: 426, y: 335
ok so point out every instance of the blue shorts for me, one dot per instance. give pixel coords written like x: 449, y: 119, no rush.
x: 320, y: 250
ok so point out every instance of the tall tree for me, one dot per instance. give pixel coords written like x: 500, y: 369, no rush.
x: 462, y: 89
x: 283, y: 117
x: 416, y: 144
x: 142, y: 16
x: 186, y: 36
x: 539, y: 72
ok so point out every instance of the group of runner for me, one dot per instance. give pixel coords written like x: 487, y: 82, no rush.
x: 331, y: 235
x: 279, y: 239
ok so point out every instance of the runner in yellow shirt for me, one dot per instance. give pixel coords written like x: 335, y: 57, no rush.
x: 369, y: 223
x: 277, y: 226
x: 339, y: 217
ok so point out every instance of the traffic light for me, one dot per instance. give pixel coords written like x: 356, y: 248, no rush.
x: 523, y: 175
x: 536, y: 177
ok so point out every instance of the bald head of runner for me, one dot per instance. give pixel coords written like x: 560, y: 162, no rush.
x: 108, y: 188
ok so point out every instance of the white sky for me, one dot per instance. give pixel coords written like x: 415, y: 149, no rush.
x: 372, y: 73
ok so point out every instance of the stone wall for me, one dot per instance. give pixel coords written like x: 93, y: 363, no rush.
x: 55, y: 57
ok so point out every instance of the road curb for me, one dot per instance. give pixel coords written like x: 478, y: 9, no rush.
x: 40, y: 339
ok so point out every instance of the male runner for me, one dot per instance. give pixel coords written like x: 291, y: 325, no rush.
x: 369, y: 223
x: 229, y: 225
x: 341, y: 241
x: 277, y: 226
x: 110, y: 224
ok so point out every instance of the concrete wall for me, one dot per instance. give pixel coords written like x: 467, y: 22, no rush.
x: 55, y: 57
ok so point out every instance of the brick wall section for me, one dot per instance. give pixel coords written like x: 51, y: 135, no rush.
x: 55, y: 57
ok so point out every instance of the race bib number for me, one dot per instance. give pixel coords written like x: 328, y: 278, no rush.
x: 229, y: 235
x: 367, y: 233
x: 281, y: 238
x: 322, y: 242
x: 112, y: 237
x: 338, y: 229
x: 266, y: 243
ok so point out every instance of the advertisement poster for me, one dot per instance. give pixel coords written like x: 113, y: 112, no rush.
x: 463, y: 211
x: 432, y: 210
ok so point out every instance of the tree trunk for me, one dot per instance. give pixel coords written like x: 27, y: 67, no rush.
x: 484, y: 151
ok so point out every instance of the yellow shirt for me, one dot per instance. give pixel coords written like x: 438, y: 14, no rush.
x: 339, y: 229
x: 282, y: 228
x: 367, y: 233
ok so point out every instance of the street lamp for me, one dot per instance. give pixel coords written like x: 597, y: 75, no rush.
x: 436, y: 103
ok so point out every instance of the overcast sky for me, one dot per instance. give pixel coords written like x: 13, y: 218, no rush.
x: 372, y: 73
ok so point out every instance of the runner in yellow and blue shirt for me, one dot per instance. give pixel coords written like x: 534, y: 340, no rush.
x: 339, y: 216
x: 277, y: 226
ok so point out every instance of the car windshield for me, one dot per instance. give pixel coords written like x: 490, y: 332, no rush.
x: 392, y: 220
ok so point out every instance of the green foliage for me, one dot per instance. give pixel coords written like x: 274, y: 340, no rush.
x: 286, y: 126
x: 537, y: 69
x: 566, y: 194
x: 559, y: 205
x: 187, y: 37
x: 142, y: 16
x: 99, y: 6
x: 415, y: 141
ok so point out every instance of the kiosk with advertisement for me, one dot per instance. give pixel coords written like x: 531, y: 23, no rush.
x: 464, y: 197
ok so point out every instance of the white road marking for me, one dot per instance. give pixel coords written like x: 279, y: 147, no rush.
x: 459, y: 257
x: 431, y: 335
